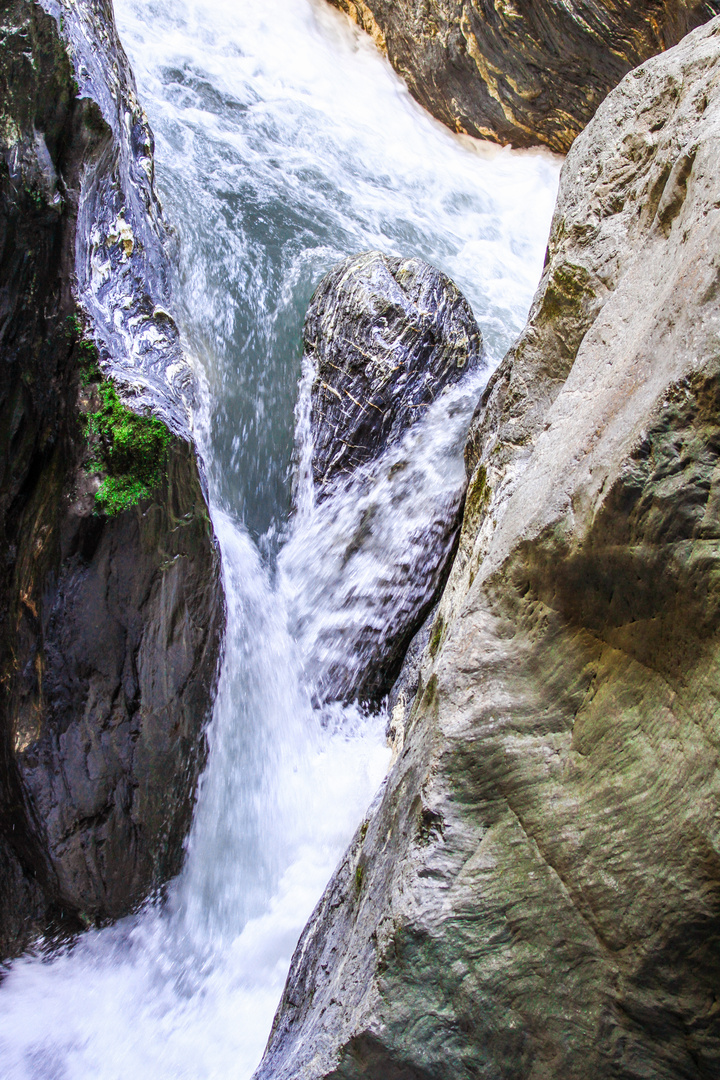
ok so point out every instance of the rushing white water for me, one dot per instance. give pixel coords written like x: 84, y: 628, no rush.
x: 284, y: 143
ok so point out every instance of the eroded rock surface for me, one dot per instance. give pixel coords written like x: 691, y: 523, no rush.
x: 528, y: 72
x: 536, y: 893
x: 387, y: 343
x: 384, y: 336
x: 110, y: 609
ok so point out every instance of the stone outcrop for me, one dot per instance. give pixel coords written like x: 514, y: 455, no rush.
x: 525, y: 72
x: 385, y: 336
x: 536, y: 892
x: 110, y: 599
x: 384, y: 339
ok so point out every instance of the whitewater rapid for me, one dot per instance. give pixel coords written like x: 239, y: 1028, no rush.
x: 284, y: 143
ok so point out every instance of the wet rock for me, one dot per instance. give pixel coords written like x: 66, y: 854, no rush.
x: 110, y: 599
x: 384, y: 339
x: 535, y: 893
x: 384, y: 336
x: 525, y: 73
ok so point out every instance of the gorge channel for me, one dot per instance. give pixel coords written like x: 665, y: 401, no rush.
x: 284, y: 144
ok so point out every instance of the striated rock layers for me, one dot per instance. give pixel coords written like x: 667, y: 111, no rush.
x: 536, y: 893
x: 521, y: 72
x: 110, y: 602
x: 385, y: 338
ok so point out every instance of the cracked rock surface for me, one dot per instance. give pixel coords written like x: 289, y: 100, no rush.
x: 535, y: 894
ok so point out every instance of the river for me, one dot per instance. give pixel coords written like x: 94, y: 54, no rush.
x: 284, y: 143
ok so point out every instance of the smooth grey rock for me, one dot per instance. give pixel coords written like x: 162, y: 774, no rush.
x: 536, y: 894
x: 525, y: 72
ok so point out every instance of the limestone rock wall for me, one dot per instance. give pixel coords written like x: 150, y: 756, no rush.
x: 526, y: 72
x: 109, y: 622
x: 536, y: 893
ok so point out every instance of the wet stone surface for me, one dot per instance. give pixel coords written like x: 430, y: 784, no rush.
x: 386, y: 336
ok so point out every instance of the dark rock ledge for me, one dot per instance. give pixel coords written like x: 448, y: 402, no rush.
x: 110, y: 599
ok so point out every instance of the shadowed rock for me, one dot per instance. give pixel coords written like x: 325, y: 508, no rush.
x: 111, y: 607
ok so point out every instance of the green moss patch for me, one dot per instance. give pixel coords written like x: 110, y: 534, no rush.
x: 567, y: 292
x: 127, y: 449
x: 436, y: 635
x: 477, y: 501
x: 130, y: 449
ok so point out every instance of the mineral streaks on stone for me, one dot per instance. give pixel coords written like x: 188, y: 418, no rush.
x: 536, y: 894
x: 528, y: 72
x: 385, y: 336
x: 123, y: 239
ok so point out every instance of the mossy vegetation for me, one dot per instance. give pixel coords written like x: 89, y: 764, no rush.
x: 477, y: 501
x: 430, y: 694
x: 436, y: 635
x: 128, y: 449
x: 132, y: 451
x: 567, y: 291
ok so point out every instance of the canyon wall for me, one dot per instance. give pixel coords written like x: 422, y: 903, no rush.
x: 535, y: 893
x: 110, y: 599
x: 524, y: 72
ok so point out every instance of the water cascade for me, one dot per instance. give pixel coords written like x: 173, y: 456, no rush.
x: 284, y: 144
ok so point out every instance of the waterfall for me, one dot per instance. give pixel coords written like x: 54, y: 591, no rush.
x: 284, y: 143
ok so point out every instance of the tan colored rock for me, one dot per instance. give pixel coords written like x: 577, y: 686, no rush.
x: 521, y: 71
x: 536, y: 894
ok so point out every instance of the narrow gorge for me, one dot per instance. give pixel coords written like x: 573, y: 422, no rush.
x: 332, y: 555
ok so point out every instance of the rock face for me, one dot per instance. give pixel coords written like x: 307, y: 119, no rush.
x: 536, y: 893
x: 384, y: 336
x: 527, y: 72
x: 110, y: 599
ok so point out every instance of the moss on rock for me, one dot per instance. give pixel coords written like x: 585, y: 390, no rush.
x: 130, y: 449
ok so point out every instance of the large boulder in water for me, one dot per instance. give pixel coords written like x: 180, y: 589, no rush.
x: 526, y: 72
x: 384, y: 336
x: 536, y: 893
